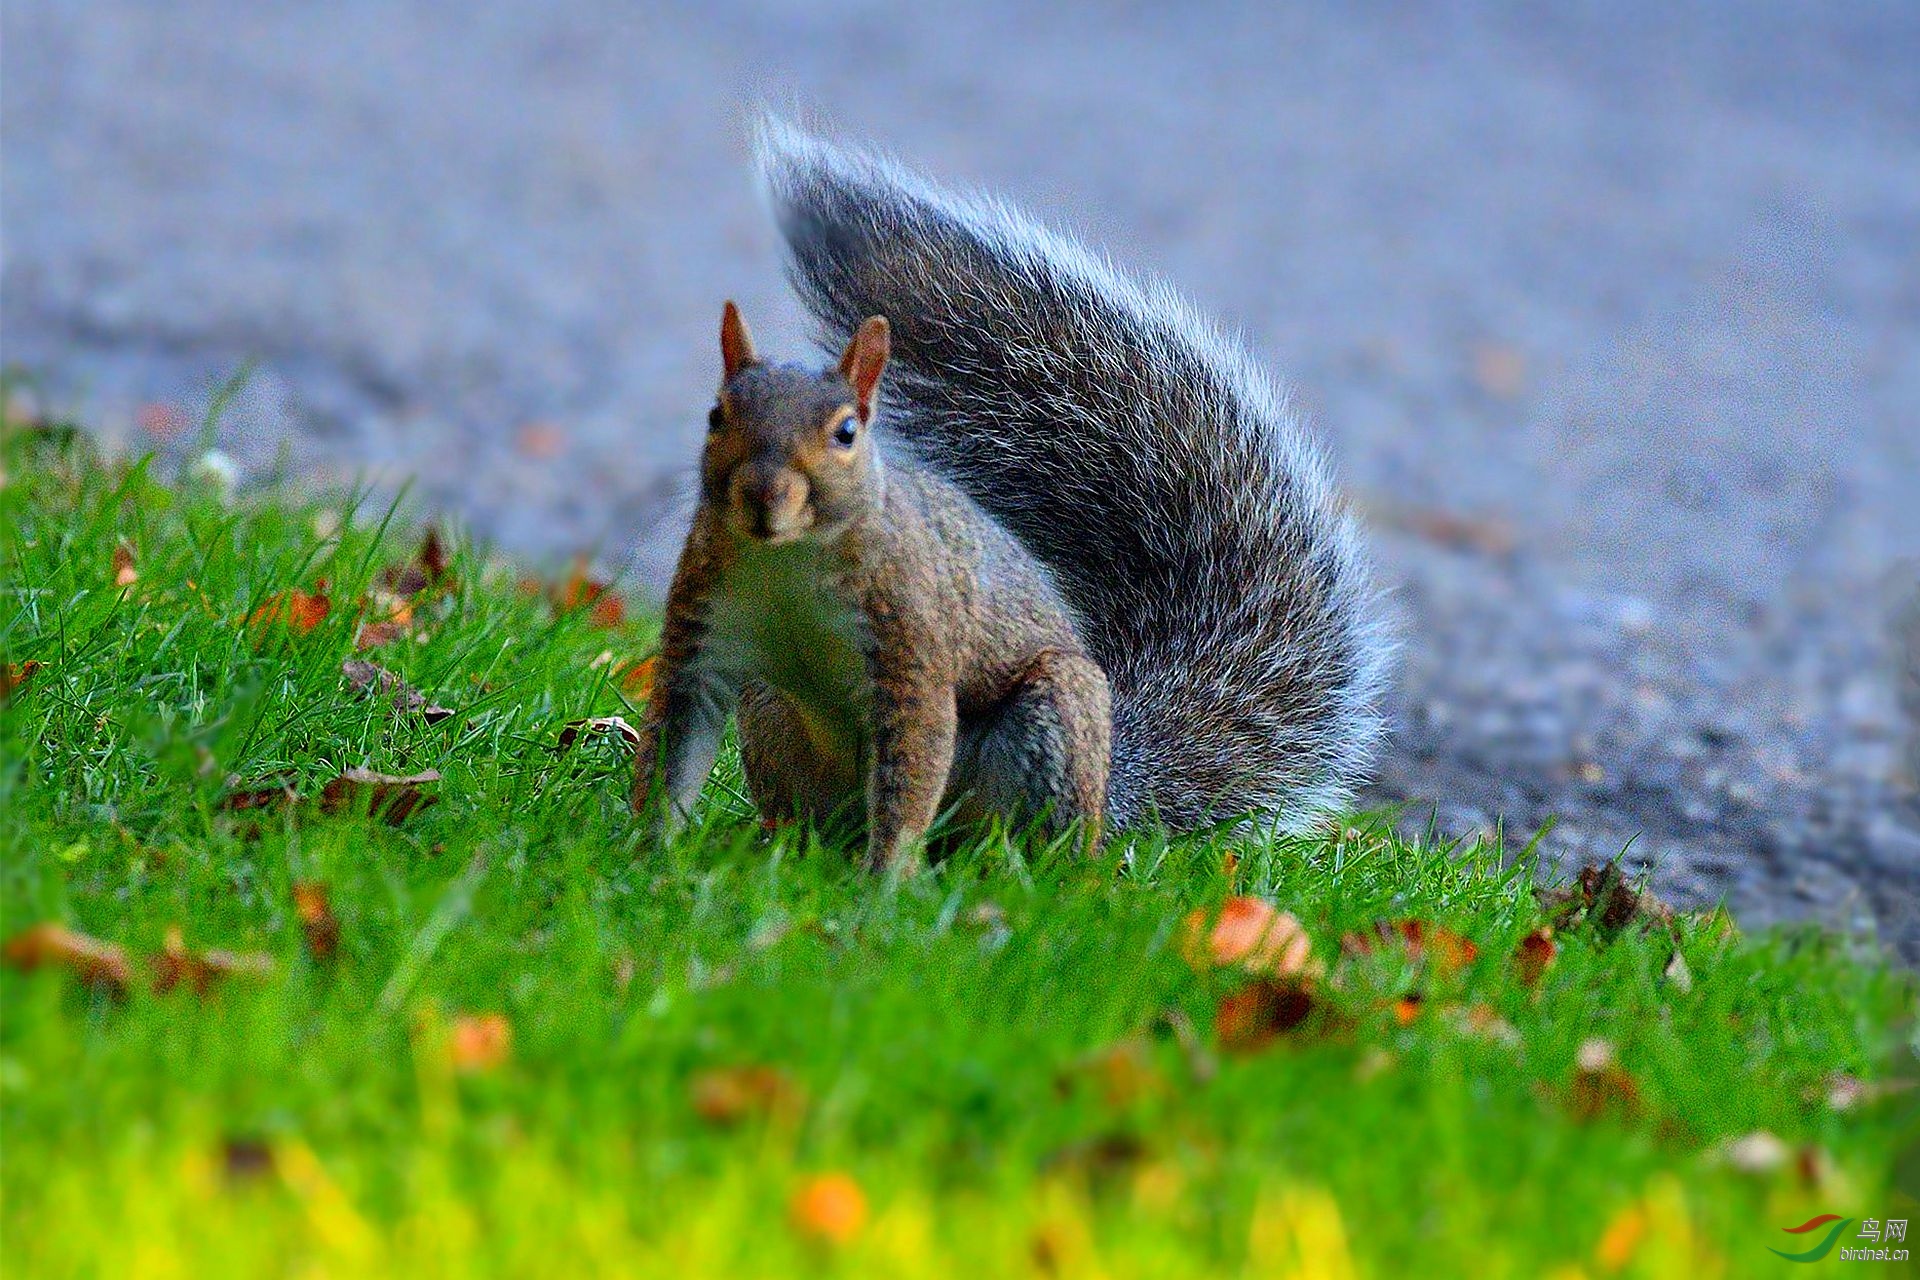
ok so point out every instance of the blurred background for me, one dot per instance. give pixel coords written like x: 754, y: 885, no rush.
x: 1609, y: 313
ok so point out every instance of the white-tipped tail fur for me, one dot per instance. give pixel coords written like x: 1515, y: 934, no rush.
x: 1139, y: 453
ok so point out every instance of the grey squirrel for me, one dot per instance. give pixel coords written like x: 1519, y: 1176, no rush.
x: 1074, y: 561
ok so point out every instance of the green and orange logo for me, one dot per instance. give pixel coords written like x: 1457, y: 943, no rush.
x: 1826, y: 1244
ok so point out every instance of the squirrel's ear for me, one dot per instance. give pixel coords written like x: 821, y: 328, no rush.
x: 736, y: 344
x: 866, y: 357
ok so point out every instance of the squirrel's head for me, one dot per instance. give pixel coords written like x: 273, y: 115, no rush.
x: 787, y: 453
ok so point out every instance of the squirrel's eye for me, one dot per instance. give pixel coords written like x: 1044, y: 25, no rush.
x: 715, y: 419
x: 843, y: 435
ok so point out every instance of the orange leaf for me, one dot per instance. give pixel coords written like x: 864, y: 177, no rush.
x: 317, y: 921
x: 14, y: 677
x: 480, y: 1042
x: 1534, y: 954
x: 1250, y: 1019
x: 299, y: 611
x: 607, y: 609
x: 1249, y: 933
x: 124, y: 574
x: 175, y: 964
x: 94, y: 962
x: 1442, y: 948
x: 1621, y: 1240
x: 729, y: 1095
x: 829, y: 1208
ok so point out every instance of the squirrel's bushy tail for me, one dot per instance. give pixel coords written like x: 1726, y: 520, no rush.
x: 1139, y: 454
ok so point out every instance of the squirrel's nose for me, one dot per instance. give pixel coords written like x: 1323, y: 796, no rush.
x: 768, y: 500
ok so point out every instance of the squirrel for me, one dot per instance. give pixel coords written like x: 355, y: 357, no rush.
x: 1081, y: 566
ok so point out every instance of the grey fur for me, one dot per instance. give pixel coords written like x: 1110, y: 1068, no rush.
x: 1140, y: 454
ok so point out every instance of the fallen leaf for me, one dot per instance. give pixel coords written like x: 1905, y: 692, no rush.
x: 730, y: 1095
x: 606, y: 609
x: 393, y: 798
x: 1600, y: 1086
x: 428, y: 568
x: 317, y: 921
x: 374, y: 635
x: 298, y: 610
x: 175, y: 965
x: 598, y: 724
x: 1250, y: 1019
x: 1444, y: 950
x: 1407, y: 1009
x: 1533, y: 955
x: 479, y: 1042
x: 271, y: 792
x: 94, y: 962
x: 245, y: 1159
x: 1602, y: 896
x: 829, y: 1208
x: 14, y: 677
x: 1251, y: 934
x: 124, y: 574
x: 1622, y: 1237
x: 369, y: 679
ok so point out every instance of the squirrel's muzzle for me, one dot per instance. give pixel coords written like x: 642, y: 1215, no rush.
x: 769, y: 503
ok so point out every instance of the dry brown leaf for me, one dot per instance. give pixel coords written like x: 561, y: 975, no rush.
x: 598, y: 724
x: 297, y: 610
x: 275, y: 791
x: 1252, y: 1018
x: 428, y: 568
x: 730, y: 1095
x: 14, y: 677
x: 1444, y: 950
x: 829, y: 1208
x: 479, y: 1042
x: 93, y: 961
x: 245, y: 1159
x: 394, y: 798
x: 175, y: 965
x: 1533, y: 955
x: 1602, y: 897
x: 369, y: 679
x: 124, y: 574
x: 1600, y: 1085
x: 374, y: 635
x: 1251, y: 934
x: 311, y: 903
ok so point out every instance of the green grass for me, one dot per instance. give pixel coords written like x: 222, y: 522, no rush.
x: 314, y: 1123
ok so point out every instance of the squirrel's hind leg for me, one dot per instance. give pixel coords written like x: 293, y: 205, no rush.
x: 1043, y: 750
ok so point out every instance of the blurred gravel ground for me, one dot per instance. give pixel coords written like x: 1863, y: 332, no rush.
x: 1610, y: 313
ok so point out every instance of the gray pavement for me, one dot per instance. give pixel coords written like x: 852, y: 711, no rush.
x: 1610, y: 314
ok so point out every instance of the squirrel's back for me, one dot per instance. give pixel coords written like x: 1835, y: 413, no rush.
x: 1134, y: 450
